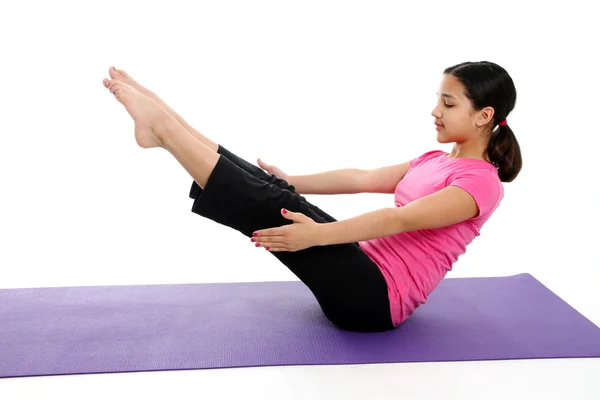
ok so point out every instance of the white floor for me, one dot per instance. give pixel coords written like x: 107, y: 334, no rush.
x: 519, y: 379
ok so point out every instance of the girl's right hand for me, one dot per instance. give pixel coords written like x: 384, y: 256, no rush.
x: 271, y: 169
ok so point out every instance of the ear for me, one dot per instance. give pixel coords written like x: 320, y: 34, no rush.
x: 485, y: 116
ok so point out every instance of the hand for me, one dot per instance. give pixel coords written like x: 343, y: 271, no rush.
x: 302, y: 234
x: 271, y: 169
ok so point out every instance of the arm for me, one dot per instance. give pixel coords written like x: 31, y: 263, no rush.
x: 351, y: 180
x: 445, y: 207
x: 341, y: 181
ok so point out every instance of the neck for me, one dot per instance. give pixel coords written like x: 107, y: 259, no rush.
x: 475, y: 150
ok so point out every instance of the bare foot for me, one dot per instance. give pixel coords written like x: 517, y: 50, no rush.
x: 123, y: 76
x: 151, y: 120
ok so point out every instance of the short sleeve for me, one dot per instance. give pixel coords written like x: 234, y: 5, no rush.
x: 483, y: 186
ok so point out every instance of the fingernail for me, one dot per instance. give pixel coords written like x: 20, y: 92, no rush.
x: 254, y: 234
x: 267, y: 248
x: 257, y: 244
x: 284, y: 211
x: 252, y: 240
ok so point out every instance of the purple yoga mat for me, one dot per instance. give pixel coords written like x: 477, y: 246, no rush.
x: 82, y: 330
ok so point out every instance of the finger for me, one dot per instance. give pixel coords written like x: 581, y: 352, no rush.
x: 269, y: 244
x: 276, y: 249
x: 273, y: 232
x: 277, y: 239
x: 268, y: 232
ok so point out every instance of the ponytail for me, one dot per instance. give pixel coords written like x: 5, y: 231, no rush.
x: 505, y: 153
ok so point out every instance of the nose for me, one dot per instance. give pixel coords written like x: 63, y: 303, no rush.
x: 436, y: 112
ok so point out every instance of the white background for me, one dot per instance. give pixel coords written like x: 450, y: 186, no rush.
x: 309, y: 86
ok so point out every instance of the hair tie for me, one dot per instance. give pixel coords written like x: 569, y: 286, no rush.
x: 503, y: 123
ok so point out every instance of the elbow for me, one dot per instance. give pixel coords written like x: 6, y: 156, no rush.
x: 369, y: 183
x: 389, y: 221
x: 404, y: 221
x: 363, y: 181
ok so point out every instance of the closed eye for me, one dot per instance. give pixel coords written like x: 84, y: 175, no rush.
x: 448, y: 105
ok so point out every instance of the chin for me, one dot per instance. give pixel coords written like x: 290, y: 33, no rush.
x: 442, y: 139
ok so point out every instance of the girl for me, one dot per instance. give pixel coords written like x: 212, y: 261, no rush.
x: 371, y: 272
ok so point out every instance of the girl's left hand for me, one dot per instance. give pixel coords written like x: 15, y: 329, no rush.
x: 302, y: 234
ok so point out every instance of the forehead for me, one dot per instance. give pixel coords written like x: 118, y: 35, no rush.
x: 450, y: 85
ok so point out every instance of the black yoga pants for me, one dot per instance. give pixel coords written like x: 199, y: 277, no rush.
x: 347, y: 284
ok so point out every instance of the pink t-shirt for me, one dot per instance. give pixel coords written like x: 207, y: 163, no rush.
x: 414, y: 263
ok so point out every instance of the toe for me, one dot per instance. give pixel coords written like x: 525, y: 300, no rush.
x: 121, y: 86
x: 117, y: 74
x: 113, y: 72
x: 113, y: 86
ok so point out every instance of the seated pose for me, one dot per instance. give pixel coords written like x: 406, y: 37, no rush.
x: 371, y: 272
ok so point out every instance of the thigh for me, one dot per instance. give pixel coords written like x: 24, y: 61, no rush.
x: 262, y: 175
x: 347, y: 284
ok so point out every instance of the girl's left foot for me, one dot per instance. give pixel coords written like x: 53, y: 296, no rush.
x: 152, y: 122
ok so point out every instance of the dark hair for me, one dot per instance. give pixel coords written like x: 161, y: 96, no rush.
x: 489, y: 85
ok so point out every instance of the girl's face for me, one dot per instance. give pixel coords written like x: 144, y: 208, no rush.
x: 459, y: 122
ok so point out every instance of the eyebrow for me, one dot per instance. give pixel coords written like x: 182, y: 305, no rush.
x: 447, y: 95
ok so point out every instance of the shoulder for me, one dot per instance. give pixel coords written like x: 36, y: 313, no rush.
x: 482, y: 183
x: 427, y: 156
